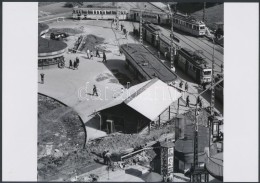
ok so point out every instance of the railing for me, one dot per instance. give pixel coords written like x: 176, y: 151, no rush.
x: 214, y: 168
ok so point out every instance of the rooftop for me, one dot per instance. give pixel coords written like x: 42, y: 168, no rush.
x: 148, y: 64
x: 46, y: 45
x: 153, y: 93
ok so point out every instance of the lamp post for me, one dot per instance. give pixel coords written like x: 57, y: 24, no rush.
x: 172, y: 47
x: 212, y: 103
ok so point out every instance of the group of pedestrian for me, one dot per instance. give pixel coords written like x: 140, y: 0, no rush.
x: 186, y: 85
x: 75, y: 64
x: 107, y: 157
x: 90, y: 55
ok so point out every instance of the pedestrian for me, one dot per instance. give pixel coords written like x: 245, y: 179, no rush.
x: 198, y: 100
x: 104, y: 57
x: 126, y: 34
x: 77, y: 60
x: 95, y: 90
x: 188, y: 101
x: 181, y: 84
x: 104, y: 157
x: 75, y: 65
x: 42, y: 78
x: 91, y: 55
x: 159, y: 54
x: 97, y: 53
x: 122, y: 26
x: 165, y: 54
x: 221, y: 66
x: 186, y: 86
x: 70, y: 64
x: 88, y: 53
x: 108, y: 157
x: 200, y: 104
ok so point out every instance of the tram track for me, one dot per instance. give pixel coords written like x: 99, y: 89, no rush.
x: 187, y: 43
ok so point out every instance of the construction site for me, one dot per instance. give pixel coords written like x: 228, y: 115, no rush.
x: 130, y: 91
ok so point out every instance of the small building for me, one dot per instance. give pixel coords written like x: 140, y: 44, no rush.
x: 184, y: 147
x: 50, y: 52
x: 135, y: 108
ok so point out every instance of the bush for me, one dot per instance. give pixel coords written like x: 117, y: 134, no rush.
x: 68, y: 5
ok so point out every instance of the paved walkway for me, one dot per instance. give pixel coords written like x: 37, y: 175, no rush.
x: 74, y: 87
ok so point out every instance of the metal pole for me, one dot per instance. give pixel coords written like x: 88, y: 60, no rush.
x: 204, y: 12
x: 141, y: 31
x: 212, y: 103
x: 172, y: 47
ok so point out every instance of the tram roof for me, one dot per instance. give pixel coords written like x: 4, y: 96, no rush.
x: 196, y: 57
x: 151, y: 27
x: 188, y: 19
x: 100, y: 8
x: 147, y: 63
x: 148, y: 11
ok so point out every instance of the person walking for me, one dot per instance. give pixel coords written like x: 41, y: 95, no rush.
x: 88, y: 53
x: 104, y: 57
x: 186, y: 86
x: 188, y: 101
x: 77, y: 60
x: 75, y: 65
x: 126, y: 34
x: 108, y: 157
x: 221, y: 66
x: 42, y: 78
x: 91, y: 55
x: 104, y: 157
x: 95, y: 90
x: 159, y: 54
x: 97, y: 53
x: 181, y: 84
x: 165, y: 54
x: 70, y: 64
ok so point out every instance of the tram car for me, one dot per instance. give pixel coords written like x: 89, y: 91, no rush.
x: 219, y: 88
x: 155, y: 17
x: 189, y: 24
x: 102, y: 12
x: 194, y: 65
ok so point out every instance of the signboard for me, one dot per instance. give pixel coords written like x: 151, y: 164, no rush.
x: 167, y: 160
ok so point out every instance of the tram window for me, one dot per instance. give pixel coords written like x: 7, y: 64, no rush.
x: 206, y: 72
x: 202, y: 27
x: 90, y: 11
x: 108, y: 12
x: 114, y: 12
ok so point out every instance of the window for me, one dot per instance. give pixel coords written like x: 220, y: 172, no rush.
x: 202, y: 27
x: 90, y: 11
x: 207, y: 72
x: 114, y: 12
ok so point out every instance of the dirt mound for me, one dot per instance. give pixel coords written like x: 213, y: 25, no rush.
x: 69, y: 31
x: 91, y: 42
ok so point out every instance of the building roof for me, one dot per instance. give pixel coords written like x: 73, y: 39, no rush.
x: 149, y: 98
x: 46, y: 45
x: 147, y: 64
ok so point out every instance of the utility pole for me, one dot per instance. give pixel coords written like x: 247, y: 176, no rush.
x: 196, y: 128
x: 204, y: 12
x: 117, y: 17
x: 212, y: 103
x: 172, y: 47
x: 141, y: 27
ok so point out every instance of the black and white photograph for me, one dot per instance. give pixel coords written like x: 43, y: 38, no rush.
x: 130, y: 91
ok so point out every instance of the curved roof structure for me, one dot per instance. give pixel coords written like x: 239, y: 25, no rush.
x: 214, y: 166
x: 48, y: 47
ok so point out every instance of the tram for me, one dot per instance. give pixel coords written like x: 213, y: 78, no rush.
x: 102, y: 12
x: 189, y: 24
x: 194, y: 65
